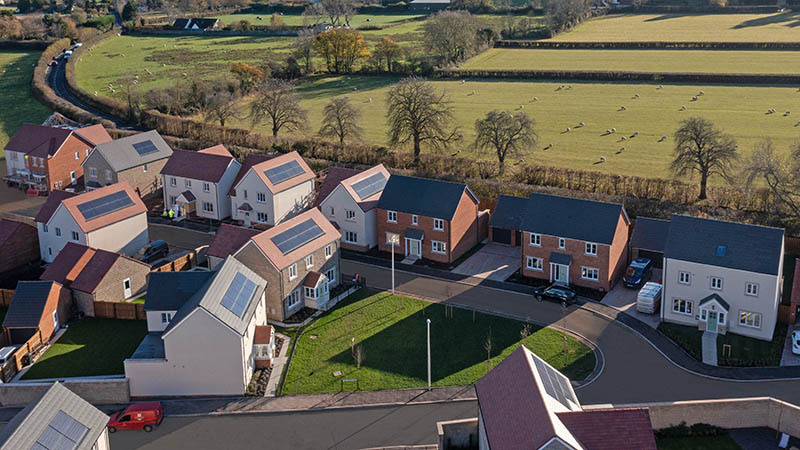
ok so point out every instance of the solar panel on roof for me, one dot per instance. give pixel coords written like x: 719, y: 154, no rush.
x: 555, y: 384
x: 238, y: 295
x: 62, y: 433
x: 297, y: 236
x: 284, y: 172
x: 105, y: 205
x: 370, y: 186
x: 145, y: 147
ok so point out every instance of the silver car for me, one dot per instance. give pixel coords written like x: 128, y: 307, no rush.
x: 796, y: 342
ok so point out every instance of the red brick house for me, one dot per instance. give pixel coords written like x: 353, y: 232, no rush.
x: 574, y: 241
x: 432, y: 219
x: 19, y: 243
x: 42, y: 305
x: 49, y: 158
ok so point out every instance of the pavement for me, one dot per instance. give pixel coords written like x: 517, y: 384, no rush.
x: 277, y: 366
x: 788, y: 358
x: 493, y: 261
x: 709, y: 343
x: 624, y: 299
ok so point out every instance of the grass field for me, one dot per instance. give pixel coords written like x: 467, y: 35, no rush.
x: 394, y: 345
x: 779, y: 27
x: 357, y: 21
x: 698, y: 443
x: 17, y: 106
x: 638, y: 60
x: 737, y: 110
x: 90, y: 347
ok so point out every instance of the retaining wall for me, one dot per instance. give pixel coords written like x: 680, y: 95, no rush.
x: 98, y: 392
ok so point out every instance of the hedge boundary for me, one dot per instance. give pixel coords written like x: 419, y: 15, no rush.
x: 610, y: 75
x: 8, y: 44
x: 646, y: 45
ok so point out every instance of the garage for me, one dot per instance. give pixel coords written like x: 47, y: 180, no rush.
x: 648, y: 239
x: 506, y: 220
x: 501, y: 235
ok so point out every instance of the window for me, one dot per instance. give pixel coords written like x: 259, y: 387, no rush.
x: 126, y: 287
x: 333, y: 211
x: 77, y: 155
x: 328, y: 251
x: 293, y: 271
x: 591, y: 249
x: 55, y: 319
x: 144, y: 168
x: 331, y: 275
x: 58, y: 232
x: 72, y: 177
x: 310, y: 292
x: 393, y: 238
x: 108, y: 175
x: 309, y: 261
x: 166, y: 317
x: 172, y: 199
x: 75, y: 236
x: 414, y: 219
x: 93, y: 172
x: 562, y: 243
x: 439, y: 247
x: 590, y: 273
x: 716, y: 283
x: 173, y: 181
x: 438, y: 224
x: 684, y: 278
x: 261, y: 197
x: 749, y: 319
x: 534, y: 263
x: 536, y: 239
x: 751, y: 289
x: 44, y: 228
x: 208, y: 207
x: 187, y: 183
x: 261, y: 217
x: 50, y: 251
x: 350, y: 236
x: 391, y: 216
x: 87, y: 151
x: 682, y: 306
x: 350, y: 215
x: 206, y: 187
x: 245, y: 194
x: 293, y: 299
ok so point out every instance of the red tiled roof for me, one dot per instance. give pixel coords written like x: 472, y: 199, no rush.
x: 229, y: 239
x: 372, y: 201
x: 53, y: 200
x: 333, y: 178
x: 611, y: 429
x: 43, y: 141
x: 264, y: 242
x: 312, y: 279
x: 260, y: 169
x: 263, y: 334
x: 196, y: 165
x: 249, y: 161
x: 81, y: 267
x: 95, y: 134
x: 220, y: 150
x: 95, y: 270
x: 136, y: 208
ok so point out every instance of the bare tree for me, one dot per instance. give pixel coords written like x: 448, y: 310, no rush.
x: 417, y: 113
x: 780, y: 174
x: 303, y: 47
x: 221, y: 106
x: 336, y: 12
x: 701, y: 148
x: 506, y: 134
x: 487, y: 345
x: 340, y: 119
x: 278, y: 104
x: 452, y: 35
x: 360, y: 355
x: 562, y: 15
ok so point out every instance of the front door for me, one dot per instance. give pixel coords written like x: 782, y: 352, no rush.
x: 72, y: 178
x: 126, y: 285
x: 711, y: 322
x: 414, y: 248
x: 559, y: 273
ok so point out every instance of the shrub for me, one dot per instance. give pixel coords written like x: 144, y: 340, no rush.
x: 682, y: 430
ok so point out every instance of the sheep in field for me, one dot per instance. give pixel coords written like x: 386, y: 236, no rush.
x: 608, y: 131
x: 568, y: 130
x: 663, y: 138
x: 683, y: 108
x: 623, y: 138
x: 622, y: 108
x: 787, y: 113
x: 613, y: 130
x: 548, y: 146
x: 621, y: 149
x: 635, y: 95
x: 536, y: 99
x: 581, y: 124
x: 635, y: 133
x: 602, y: 159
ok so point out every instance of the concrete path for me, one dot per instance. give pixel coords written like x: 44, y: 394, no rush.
x: 277, y: 366
x: 493, y: 262
x: 710, y: 348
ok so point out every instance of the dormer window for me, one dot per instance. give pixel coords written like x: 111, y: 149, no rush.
x: 722, y: 250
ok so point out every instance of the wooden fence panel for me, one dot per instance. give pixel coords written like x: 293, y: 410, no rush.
x: 123, y: 311
x: 5, y: 296
x: 184, y: 262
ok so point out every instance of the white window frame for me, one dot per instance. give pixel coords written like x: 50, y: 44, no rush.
x: 144, y: 168
x: 755, y: 319
x: 536, y: 239
x: 293, y: 271
x: 44, y: 228
x: 751, y: 289
x: 349, y: 215
x: 58, y: 231
x: 187, y: 183
x: 261, y: 217
x: 261, y: 197
x: 309, y: 261
x: 684, y: 278
x: 166, y: 317
x: 534, y: 263
x: 87, y: 151
x: 439, y: 247
x: 414, y: 219
x: 350, y: 237
x: 75, y: 236
x: 591, y: 249
x: 438, y: 224
x: 562, y: 243
x: 330, y: 274
x: 206, y: 187
x: 208, y: 207
x: 328, y: 251
x: 55, y: 319
x: 688, y: 306
x: 310, y: 292
x: 77, y: 155
x: 293, y: 298
x: 173, y: 181
x: 716, y: 283
x: 391, y: 216
x: 590, y: 273
x: 93, y: 172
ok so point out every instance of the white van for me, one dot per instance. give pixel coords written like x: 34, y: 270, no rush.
x: 649, y: 299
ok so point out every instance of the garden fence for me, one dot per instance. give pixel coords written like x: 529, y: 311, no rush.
x: 116, y: 310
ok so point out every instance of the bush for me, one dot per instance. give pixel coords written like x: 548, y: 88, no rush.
x: 682, y: 430
x: 102, y: 23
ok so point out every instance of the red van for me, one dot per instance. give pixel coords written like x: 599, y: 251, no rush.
x: 137, y: 416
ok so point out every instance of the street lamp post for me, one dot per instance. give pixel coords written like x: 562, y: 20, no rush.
x: 394, y: 242
x: 429, y: 353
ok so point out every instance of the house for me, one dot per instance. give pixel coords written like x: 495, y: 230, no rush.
x: 200, y: 343
x: 272, y: 191
x: 352, y: 203
x: 574, y: 241
x: 58, y: 419
x: 197, y: 183
x: 136, y: 160
x: 111, y: 218
x: 648, y: 239
x: 19, y: 245
x: 37, y: 305
x: 506, y: 221
x: 300, y: 261
x: 97, y: 276
x: 197, y: 24
x: 524, y: 403
x: 49, y: 158
x: 425, y: 218
x: 722, y: 276
x: 227, y: 240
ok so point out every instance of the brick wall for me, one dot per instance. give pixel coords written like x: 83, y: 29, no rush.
x: 111, y: 288
x: 618, y: 253
x: 464, y: 227
x: 147, y: 182
x: 60, y: 165
x: 98, y: 392
x: 21, y: 248
x: 577, y: 249
x: 425, y: 224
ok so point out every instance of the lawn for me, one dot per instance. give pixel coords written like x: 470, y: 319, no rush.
x: 724, y: 442
x: 778, y: 27
x: 17, y: 105
x: 744, y: 351
x: 90, y: 347
x: 638, y: 60
x: 395, y: 343
x: 739, y: 110
x: 357, y: 21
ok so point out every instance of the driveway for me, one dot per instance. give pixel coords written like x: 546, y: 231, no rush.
x: 492, y: 262
x: 624, y: 299
x: 789, y: 358
x: 14, y: 203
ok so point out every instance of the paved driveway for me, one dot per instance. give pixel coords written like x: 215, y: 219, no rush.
x: 493, y: 262
x: 789, y: 358
x: 624, y: 299
x: 14, y: 202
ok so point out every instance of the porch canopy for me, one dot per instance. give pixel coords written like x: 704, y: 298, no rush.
x: 560, y: 258
x: 413, y: 233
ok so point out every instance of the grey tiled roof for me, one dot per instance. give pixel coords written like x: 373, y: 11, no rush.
x: 151, y: 347
x: 423, y: 196
x: 27, y: 306
x: 560, y: 258
x: 121, y: 154
x: 572, y: 218
x: 752, y: 248
x: 509, y: 212
x: 650, y: 234
x: 168, y: 291
x: 414, y: 233
x: 27, y: 426
x: 719, y: 300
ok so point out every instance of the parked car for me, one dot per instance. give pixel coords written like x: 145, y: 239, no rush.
x: 53, y: 63
x: 6, y: 353
x: 638, y: 273
x: 137, y: 416
x: 649, y: 299
x: 153, y: 251
x: 556, y: 293
x: 796, y: 342
x: 67, y: 54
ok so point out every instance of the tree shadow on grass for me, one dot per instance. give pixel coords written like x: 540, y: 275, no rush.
x: 341, y: 85
x: 789, y: 18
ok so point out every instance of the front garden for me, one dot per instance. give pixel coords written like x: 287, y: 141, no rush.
x: 380, y: 339
x: 744, y: 351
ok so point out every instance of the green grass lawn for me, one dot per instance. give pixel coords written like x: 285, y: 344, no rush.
x: 638, y: 60
x: 698, y: 443
x: 357, y: 21
x: 779, y: 27
x: 17, y: 106
x: 744, y: 351
x: 90, y: 347
x: 395, y: 346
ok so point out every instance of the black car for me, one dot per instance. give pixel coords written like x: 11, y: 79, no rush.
x: 638, y: 273
x: 153, y: 251
x: 556, y: 293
